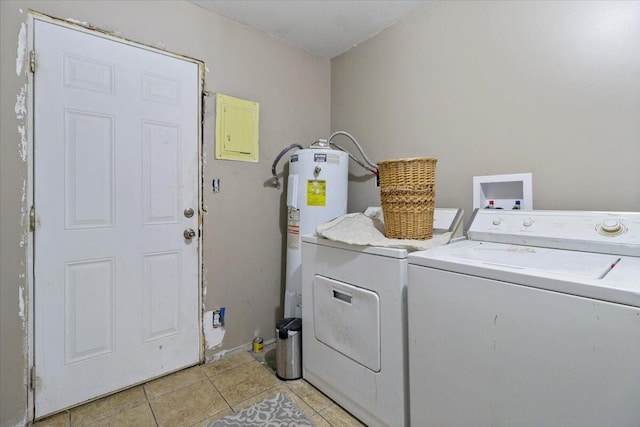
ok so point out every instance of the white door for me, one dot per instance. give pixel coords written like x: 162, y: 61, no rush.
x: 116, y: 135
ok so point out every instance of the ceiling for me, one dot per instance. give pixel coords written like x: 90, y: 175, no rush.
x: 325, y: 28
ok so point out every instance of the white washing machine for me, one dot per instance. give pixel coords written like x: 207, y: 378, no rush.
x: 533, y: 321
x: 354, y: 340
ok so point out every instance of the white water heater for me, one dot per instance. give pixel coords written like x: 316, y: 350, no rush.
x: 316, y: 193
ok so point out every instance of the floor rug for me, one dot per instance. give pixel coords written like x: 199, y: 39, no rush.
x: 275, y: 411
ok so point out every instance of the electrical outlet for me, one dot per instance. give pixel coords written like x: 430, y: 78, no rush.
x: 218, y: 317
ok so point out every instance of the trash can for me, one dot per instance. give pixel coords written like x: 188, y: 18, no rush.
x: 289, y: 348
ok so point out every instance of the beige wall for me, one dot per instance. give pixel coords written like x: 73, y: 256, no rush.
x: 243, y: 226
x: 547, y: 87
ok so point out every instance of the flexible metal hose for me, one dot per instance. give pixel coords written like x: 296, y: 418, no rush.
x: 348, y: 135
x: 276, y: 181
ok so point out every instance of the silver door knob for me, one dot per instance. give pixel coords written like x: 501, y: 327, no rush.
x: 188, y: 212
x: 189, y: 234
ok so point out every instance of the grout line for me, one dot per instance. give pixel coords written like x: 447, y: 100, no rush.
x: 223, y: 371
x: 303, y: 401
x: 153, y: 414
x: 221, y: 395
x: 180, y: 385
x: 328, y: 422
x: 253, y: 396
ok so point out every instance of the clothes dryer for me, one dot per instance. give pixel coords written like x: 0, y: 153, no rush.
x: 355, y: 325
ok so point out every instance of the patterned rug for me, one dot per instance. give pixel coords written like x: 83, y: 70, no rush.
x: 275, y: 411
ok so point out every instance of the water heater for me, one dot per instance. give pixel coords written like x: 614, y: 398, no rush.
x: 316, y: 193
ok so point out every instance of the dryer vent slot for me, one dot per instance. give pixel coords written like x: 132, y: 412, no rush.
x: 342, y: 296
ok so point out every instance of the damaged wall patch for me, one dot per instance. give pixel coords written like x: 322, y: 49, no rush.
x: 21, y: 99
x: 23, y: 143
x: 212, y: 336
x: 22, y: 48
x: 21, y: 304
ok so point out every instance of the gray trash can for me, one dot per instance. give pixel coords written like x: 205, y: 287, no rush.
x: 289, y: 348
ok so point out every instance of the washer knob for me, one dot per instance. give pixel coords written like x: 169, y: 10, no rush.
x: 496, y: 221
x: 610, y: 226
x: 528, y: 222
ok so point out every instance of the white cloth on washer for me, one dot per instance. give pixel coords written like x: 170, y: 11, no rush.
x: 360, y: 229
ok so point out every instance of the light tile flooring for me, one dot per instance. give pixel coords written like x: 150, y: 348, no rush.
x: 202, y: 394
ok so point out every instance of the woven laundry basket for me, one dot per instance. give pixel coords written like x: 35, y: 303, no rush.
x: 407, y: 193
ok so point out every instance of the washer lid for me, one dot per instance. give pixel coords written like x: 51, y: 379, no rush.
x: 567, y: 263
x: 604, y: 277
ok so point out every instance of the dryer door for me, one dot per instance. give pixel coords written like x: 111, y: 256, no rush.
x: 347, y: 319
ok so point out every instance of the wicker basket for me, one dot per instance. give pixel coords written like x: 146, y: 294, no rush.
x: 407, y: 193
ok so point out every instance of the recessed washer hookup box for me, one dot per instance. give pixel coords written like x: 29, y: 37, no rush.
x: 510, y: 191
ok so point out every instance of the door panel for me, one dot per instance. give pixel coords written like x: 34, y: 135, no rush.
x: 89, y: 311
x: 116, y: 134
x: 161, y: 197
x: 88, y: 169
x: 161, y: 296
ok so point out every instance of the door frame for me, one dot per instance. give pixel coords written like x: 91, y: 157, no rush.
x: 29, y: 185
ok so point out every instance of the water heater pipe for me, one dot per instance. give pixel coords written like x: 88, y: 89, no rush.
x: 276, y: 181
x: 360, y: 150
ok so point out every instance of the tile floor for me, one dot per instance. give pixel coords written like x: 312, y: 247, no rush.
x: 202, y: 394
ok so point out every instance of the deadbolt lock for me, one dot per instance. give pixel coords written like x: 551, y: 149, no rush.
x: 189, y: 233
x: 188, y: 212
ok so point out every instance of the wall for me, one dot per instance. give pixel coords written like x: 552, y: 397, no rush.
x: 551, y: 88
x: 243, y: 229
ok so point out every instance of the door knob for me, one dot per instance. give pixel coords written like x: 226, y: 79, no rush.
x: 189, y: 234
x: 189, y: 212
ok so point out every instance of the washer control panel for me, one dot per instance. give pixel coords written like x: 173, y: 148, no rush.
x: 604, y: 232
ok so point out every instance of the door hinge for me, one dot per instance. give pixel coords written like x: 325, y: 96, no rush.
x: 32, y: 219
x: 32, y: 61
x: 32, y: 379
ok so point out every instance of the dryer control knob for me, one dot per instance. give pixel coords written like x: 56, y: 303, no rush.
x: 610, y: 226
x: 528, y: 222
x: 497, y: 221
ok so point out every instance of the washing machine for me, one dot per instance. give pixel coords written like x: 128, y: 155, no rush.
x: 532, y: 321
x: 354, y: 341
